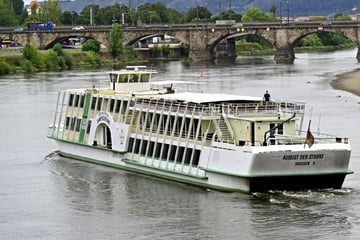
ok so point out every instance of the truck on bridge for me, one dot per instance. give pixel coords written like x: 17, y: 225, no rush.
x: 41, y: 26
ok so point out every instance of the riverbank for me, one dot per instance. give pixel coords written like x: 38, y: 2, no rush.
x: 349, y: 82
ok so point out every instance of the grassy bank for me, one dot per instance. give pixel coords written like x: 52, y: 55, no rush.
x: 29, y: 59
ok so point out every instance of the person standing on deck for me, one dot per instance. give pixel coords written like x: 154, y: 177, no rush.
x: 267, y: 97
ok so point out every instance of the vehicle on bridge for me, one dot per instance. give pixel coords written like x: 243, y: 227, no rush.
x: 78, y: 28
x: 41, y: 26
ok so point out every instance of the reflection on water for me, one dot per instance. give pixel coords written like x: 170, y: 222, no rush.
x: 60, y: 198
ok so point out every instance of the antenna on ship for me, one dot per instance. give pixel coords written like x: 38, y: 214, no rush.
x: 319, y: 123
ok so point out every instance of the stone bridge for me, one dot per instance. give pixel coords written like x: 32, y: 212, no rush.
x: 200, y: 38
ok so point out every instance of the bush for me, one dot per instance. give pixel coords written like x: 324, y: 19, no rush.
x: 5, y: 68
x: 58, y: 49
x: 91, y: 45
x: 69, y: 62
x: 92, y: 57
x: 27, y: 66
x: 51, y: 60
x: 32, y: 54
x: 165, y: 50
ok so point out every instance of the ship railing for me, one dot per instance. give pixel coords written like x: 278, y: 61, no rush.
x: 292, y: 140
x: 178, y: 107
x: 272, y: 108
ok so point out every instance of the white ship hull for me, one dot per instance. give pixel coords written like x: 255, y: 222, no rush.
x: 236, y: 170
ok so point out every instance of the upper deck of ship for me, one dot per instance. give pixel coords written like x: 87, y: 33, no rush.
x: 135, y: 83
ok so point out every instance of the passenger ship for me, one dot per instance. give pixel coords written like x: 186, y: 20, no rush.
x: 216, y: 141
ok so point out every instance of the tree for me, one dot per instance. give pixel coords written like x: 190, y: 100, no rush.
x: 256, y: 15
x: 229, y: 15
x: 51, y: 11
x: 109, y: 15
x: 69, y: 17
x: 87, y: 15
x: 16, y: 5
x: 341, y: 17
x: 7, y: 15
x: 116, y: 40
x: 197, y: 14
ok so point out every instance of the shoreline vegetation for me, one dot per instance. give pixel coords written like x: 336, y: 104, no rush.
x: 11, y: 59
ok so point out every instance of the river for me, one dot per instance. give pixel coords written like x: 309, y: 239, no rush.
x: 44, y: 196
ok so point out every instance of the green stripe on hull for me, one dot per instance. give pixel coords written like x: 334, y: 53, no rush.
x: 163, y: 176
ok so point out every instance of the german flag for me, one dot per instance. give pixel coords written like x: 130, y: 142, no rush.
x: 309, y: 140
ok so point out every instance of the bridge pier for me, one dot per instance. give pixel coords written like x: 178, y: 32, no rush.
x: 198, y: 46
x: 226, y: 49
x: 285, y: 55
x: 200, y: 54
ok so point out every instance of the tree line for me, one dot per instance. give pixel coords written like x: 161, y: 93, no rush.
x: 12, y: 13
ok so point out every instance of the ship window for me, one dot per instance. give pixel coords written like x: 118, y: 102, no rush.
x: 137, y: 146
x: 172, y: 153
x: 133, y: 78
x: 99, y: 104
x: 72, y: 124
x: 188, y: 155
x: 165, y: 151
x: 196, y: 158
x: 272, y: 132
x: 88, y: 127
x: 93, y: 103
x: 82, y: 99
x: 76, y: 103
x: 157, y: 150
x: 71, y: 99
x: 180, y: 154
x: 144, y: 77
x: 123, y: 79
x: 113, y: 77
x: 131, y: 144
x: 67, y: 122
x: 78, y: 123
x: 117, y: 106
x: 124, y: 107
x: 280, y: 129
x: 151, y: 148
x: 112, y: 103
x: 143, y: 147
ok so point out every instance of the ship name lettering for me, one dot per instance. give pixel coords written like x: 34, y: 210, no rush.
x: 290, y: 157
x: 103, y: 119
x: 316, y: 156
x: 103, y: 116
x: 302, y: 163
x: 304, y: 156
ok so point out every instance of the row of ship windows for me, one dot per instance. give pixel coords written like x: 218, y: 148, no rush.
x: 165, y: 151
x: 97, y: 103
x: 74, y: 123
x: 177, y: 125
